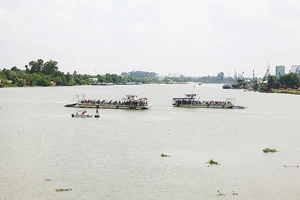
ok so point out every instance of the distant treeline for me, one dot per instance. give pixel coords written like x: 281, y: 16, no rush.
x: 40, y: 73
x: 154, y: 78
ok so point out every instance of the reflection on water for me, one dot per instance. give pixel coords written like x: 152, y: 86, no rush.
x: 118, y: 156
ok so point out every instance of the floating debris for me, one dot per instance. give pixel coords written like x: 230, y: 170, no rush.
x: 63, y: 189
x: 48, y: 179
x: 213, y: 162
x: 267, y: 150
x: 234, y: 193
x: 164, y: 155
x: 220, y: 193
x: 291, y: 166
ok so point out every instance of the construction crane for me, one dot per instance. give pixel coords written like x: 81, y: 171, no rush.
x: 265, y: 77
x: 235, y: 75
x: 254, y: 82
x: 241, y: 75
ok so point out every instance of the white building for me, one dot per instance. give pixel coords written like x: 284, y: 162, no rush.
x: 95, y: 81
x: 174, y: 75
x: 295, y: 69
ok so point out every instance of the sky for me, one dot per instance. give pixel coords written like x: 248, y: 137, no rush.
x: 191, y: 37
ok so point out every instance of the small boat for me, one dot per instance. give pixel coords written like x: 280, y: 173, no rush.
x: 226, y: 86
x: 193, y: 101
x: 82, y: 115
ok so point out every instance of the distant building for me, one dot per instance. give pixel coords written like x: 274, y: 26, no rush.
x: 295, y: 69
x: 280, y: 70
x: 174, y: 75
x: 95, y: 81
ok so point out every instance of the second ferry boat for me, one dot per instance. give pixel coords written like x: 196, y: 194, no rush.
x: 193, y: 101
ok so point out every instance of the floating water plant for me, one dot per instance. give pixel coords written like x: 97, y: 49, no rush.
x: 267, y: 150
x: 63, y: 189
x: 234, y: 193
x: 220, y: 193
x: 48, y: 179
x: 213, y: 162
x: 164, y: 155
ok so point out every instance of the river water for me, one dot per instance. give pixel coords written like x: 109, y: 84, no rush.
x: 118, y: 155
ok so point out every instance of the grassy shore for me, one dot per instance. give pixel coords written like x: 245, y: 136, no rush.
x: 286, y: 91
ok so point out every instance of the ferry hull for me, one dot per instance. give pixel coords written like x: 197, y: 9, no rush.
x: 210, y: 106
x: 107, y: 106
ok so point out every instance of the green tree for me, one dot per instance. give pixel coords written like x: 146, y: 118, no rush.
x: 15, y: 69
x: 42, y: 82
x: 50, y: 67
x: 40, y: 64
x: 27, y: 69
x: 220, y: 75
x: 273, y: 82
x: 20, y: 82
x: 33, y: 67
x: 290, y: 80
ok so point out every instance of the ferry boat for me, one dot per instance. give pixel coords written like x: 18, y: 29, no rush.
x: 193, y: 101
x: 128, y: 102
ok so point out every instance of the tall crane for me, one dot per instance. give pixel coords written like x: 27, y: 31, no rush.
x: 254, y: 82
x: 235, y: 75
x: 241, y: 75
x: 265, y: 77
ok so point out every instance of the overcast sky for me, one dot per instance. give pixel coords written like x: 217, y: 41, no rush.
x: 191, y: 37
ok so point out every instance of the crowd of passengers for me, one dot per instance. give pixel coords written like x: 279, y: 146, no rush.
x: 211, y: 103
x: 116, y: 103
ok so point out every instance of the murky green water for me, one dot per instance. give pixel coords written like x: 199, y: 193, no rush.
x: 118, y: 155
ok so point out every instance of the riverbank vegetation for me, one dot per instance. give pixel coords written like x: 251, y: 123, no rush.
x: 288, y: 84
x: 40, y: 73
x: 46, y: 73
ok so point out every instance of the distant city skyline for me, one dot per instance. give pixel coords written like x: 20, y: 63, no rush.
x: 193, y: 37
